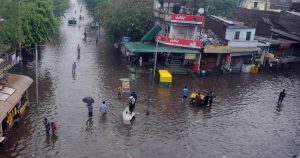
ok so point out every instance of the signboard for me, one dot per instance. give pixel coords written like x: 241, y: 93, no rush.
x: 179, y: 42
x: 183, y: 18
x: 216, y: 49
x: 125, y: 85
x: 190, y: 56
x: 227, y: 61
x: 125, y: 39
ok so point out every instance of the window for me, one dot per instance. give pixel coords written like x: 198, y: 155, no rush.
x: 237, y: 35
x: 248, y: 36
x: 255, y: 4
x: 167, y: 30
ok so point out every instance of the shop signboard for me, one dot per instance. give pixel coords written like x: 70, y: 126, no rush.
x: 125, y: 39
x: 183, y: 18
x: 125, y: 85
x: 190, y: 56
x: 179, y: 42
x: 227, y: 61
x: 216, y: 49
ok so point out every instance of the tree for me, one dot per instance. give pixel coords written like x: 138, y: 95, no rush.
x: 119, y: 17
x: 29, y: 21
x: 39, y: 21
x: 221, y: 7
x: 9, y: 36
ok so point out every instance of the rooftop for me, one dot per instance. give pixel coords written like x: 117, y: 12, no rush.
x: 294, y: 13
x: 274, y: 41
x: 230, y: 23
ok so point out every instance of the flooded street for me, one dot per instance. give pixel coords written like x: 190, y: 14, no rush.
x: 243, y: 122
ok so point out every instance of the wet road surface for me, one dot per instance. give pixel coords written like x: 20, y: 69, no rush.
x: 243, y: 122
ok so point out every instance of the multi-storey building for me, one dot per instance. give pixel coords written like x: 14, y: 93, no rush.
x: 177, y: 37
x: 181, y: 28
x: 256, y: 4
x: 239, y: 46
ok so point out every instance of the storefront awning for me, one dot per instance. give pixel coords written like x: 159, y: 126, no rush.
x: 18, y: 84
x: 216, y: 49
x: 243, y: 49
x: 151, y: 34
x: 138, y: 47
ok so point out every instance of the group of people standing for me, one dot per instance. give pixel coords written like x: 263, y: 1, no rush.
x: 50, y: 126
x: 207, y: 101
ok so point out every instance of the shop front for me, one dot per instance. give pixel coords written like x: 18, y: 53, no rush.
x: 214, y: 57
x: 242, y: 57
x: 171, y: 58
x: 13, y: 100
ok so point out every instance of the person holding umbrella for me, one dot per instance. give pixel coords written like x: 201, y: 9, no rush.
x: 90, y: 109
x: 89, y: 101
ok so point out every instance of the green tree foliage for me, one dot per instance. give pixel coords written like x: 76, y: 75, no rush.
x: 124, y: 17
x: 224, y: 8
x: 29, y: 21
x: 9, y: 36
x: 221, y: 7
x: 59, y: 7
x: 38, y: 21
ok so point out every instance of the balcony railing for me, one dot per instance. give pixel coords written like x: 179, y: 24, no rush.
x: 179, y: 42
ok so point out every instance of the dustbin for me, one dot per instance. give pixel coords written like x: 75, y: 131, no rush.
x: 202, y: 73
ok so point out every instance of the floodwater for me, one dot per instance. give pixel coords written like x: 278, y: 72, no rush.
x: 243, y: 122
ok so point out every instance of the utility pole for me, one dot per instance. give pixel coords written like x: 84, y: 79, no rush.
x: 149, y: 92
x: 36, y: 75
x: 155, y: 58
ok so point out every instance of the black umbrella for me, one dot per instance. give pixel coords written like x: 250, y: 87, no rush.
x: 88, y: 100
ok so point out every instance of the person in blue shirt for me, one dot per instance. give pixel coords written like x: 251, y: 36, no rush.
x: 103, y: 108
x: 90, y: 109
x: 185, y: 93
x: 73, y: 67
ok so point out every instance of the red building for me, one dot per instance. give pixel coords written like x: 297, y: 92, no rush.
x: 177, y: 37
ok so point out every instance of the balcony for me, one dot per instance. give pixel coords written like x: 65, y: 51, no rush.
x: 179, y: 42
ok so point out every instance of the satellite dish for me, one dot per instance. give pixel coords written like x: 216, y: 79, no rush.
x: 200, y: 10
x: 158, y: 5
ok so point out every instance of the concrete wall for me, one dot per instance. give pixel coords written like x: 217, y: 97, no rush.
x: 243, y: 33
x: 242, y: 43
x: 261, y: 5
x: 281, y: 4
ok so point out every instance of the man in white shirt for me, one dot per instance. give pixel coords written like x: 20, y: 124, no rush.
x: 103, y: 108
x: 131, y: 104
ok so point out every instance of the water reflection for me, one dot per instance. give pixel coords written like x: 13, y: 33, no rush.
x: 243, y: 121
x: 89, y: 125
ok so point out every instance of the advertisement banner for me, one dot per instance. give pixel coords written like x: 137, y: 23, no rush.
x: 183, y: 18
x: 125, y: 85
x: 190, y: 56
x: 179, y: 42
x: 216, y: 49
x: 125, y: 39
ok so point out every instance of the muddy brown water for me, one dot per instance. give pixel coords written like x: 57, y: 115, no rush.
x: 243, y: 122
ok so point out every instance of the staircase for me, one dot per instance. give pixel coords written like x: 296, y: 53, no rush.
x: 175, y: 67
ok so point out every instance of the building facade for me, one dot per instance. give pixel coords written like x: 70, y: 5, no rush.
x: 239, y: 48
x: 256, y: 4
